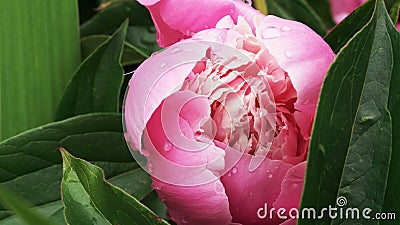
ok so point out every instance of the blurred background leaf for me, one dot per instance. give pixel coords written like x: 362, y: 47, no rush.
x: 96, y: 84
x: 39, y: 53
x: 22, y: 209
x: 141, y: 33
x: 314, y: 13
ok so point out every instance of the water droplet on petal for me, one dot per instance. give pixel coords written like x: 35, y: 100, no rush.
x: 270, y: 175
x: 144, y: 152
x: 167, y: 146
x: 150, y: 167
x: 162, y: 65
x: 271, y: 32
x: 156, y: 187
x: 218, y: 188
x: 234, y: 170
x: 183, y: 221
x: 229, y: 174
x: 286, y: 28
x: 127, y: 137
x: 288, y: 54
x: 251, y: 193
x: 294, y: 185
x: 231, y: 11
x: 176, y: 50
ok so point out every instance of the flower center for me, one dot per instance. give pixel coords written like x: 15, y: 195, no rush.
x: 243, y: 98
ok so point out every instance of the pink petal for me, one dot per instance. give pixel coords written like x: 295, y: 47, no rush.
x: 292, y: 186
x: 184, y: 170
x: 248, y: 191
x: 173, y: 153
x: 176, y: 20
x: 203, y: 204
x: 299, y: 51
x: 155, y: 79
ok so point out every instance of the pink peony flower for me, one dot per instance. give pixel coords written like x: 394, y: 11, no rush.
x: 224, y: 116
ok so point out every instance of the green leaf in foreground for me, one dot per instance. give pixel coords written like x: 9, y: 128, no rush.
x: 31, y: 164
x: 89, y: 199
x: 39, y: 53
x: 95, y: 86
x: 392, y: 194
x: 22, y: 209
x: 351, y: 145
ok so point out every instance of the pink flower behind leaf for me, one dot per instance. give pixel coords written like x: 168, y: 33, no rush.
x: 224, y: 116
x: 342, y: 8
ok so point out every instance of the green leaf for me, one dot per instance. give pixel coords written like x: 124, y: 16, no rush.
x: 130, y: 55
x: 22, y: 209
x: 39, y: 52
x: 30, y: 163
x: 352, y: 24
x: 95, y: 86
x: 89, y: 199
x: 143, y: 38
x: 302, y: 11
x: 141, y: 34
x: 109, y: 19
x: 393, y: 7
x: 323, y: 9
x: 392, y: 194
x: 152, y: 201
x: 351, y: 145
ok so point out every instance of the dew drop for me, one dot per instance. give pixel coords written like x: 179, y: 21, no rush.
x: 270, y: 175
x: 176, y: 50
x: 286, y: 28
x: 234, y: 170
x: 156, y: 187
x: 231, y: 10
x: 251, y: 193
x: 183, y: 221
x: 162, y: 65
x: 167, y: 146
x: 270, y: 33
x: 150, y: 167
x: 288, y: 54
x: 218, y: 188
x: 127, y: 137
x: 294, y: 185
x: 144, y: 152
x: 229, y: 174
